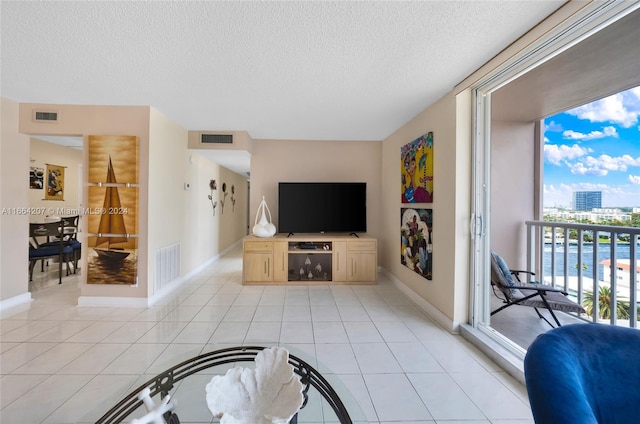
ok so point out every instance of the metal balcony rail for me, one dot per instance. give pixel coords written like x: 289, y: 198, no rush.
x: 559, y: 254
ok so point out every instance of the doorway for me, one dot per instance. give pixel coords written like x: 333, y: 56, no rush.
x: 49, y: 154
x: 587, y: 57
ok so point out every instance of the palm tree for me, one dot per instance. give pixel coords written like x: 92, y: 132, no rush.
x: 604, y: 304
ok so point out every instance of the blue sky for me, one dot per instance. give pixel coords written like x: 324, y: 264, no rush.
x: 594, y: 147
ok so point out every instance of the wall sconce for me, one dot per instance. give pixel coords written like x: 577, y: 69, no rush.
x: 233, y: 200
x: 213, y: 187
x: 224, y: 191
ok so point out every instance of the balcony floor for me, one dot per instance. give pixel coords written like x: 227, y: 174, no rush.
x: 521, y: 323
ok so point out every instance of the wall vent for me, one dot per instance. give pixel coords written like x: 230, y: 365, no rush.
x: 167, y: 266
x: 216, y: 138
x: 44, y: 116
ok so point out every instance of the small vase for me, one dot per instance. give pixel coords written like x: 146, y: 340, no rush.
x: 264, y: 228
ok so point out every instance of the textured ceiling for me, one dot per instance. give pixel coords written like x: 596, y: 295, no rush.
x: 278, y: 70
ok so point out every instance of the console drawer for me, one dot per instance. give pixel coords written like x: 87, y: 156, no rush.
x: 258, y: 246
x: 362, y: 246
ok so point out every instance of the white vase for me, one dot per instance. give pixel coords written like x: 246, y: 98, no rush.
x: 264, y: 228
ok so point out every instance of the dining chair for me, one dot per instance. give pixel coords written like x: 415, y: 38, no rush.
x: 42, y: 250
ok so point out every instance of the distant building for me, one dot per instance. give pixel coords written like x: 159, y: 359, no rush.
x: 596, y: 215
x: 623, y: 275
x: 587, y: 200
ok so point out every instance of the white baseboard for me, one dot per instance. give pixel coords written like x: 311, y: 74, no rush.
x: 11, y: 302
x: 145, y: 302
x: 446, y: 322
x: 112, y: 302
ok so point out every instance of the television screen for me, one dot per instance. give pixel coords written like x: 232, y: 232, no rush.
x: 310, y: 207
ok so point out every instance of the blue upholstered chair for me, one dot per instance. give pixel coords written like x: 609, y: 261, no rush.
x: 41, y: 251
x: 71, y: 236
x: 585, y: 374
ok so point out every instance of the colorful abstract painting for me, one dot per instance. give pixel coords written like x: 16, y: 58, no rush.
x: 417, y: 170
x: 36, y: 178
x: 416, y: 226
x: 55, y: 183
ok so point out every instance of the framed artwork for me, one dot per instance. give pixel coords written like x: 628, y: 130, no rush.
x: 119, y: 150
x: 36, y: 178
x: 113, y: 210
x: 112, y: 260
x: 416, y: 246
x: 416, y: 168
x: 55, y: 183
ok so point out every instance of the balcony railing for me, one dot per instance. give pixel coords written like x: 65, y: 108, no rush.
x: 570, y: 256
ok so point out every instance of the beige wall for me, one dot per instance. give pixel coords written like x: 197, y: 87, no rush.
x: 447, y: 291
x: 210, y: 234
x: 318, y: 161
x: 43, y: 153
x: 166, y: 195
x: 233, y: 220
x: 185, y: 216
x: 512, y: 199
x: 83, y: 121
x: 14, y: 193
x: 167, y: 212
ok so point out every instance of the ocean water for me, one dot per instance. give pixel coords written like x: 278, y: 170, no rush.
x: 604, y: 252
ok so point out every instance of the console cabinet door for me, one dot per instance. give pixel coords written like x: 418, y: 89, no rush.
x: 280, y: 261
x: 257, y: 261
x: 339, y: 260
x: 258, y: 267
x: 362, y: 259
x: 362, y: 267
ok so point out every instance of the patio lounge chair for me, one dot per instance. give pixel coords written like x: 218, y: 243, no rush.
x: 534, y: 295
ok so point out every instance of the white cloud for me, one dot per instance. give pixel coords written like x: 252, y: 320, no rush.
x: 561, y: 195
x: 552, y: 126
x: 601, y: 165
x: 621, y: 108
x: 634, y: 179
x: 584, y: 169
x: 555, y: 154
x: 574, y: 135
x: 629, y: 160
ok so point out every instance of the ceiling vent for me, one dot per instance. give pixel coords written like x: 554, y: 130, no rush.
x: 216, y: 138
x: 45, y: 116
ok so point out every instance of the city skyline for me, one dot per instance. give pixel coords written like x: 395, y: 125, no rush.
x: 594, y: 147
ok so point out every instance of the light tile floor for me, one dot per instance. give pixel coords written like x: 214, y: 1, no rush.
x: 389, y: 363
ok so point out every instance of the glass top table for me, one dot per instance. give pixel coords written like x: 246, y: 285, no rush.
x: 186, y: 381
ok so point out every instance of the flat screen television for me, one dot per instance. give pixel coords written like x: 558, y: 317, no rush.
x: 316, y: 207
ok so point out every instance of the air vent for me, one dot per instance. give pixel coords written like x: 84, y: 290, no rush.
x: 217, y: 138
x: 41, y: 116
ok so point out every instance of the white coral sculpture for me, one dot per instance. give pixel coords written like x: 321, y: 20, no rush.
x: 154, y: 412
x: 269, y: 394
